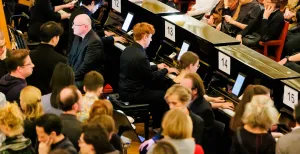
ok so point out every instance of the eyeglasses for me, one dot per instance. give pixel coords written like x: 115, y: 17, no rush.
x: 30, y: 64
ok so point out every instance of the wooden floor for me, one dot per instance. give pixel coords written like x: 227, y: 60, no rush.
x: 134, y: 147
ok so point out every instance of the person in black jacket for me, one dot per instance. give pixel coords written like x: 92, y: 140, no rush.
x: 41, y: 12
x: 87, y: 49
x: 45, y: 58
x: 89, y: 7
x: 201, y: 107
x: 136, y: 74
x: 268, y: 23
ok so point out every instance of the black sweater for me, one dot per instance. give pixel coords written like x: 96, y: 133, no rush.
x: 269, y: 29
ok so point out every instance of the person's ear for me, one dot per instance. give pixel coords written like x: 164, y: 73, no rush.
x: 195, y: 91
x: 84, y: 89
x: 76, y: 107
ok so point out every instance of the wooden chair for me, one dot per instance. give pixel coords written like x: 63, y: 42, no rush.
x: 278, y: 43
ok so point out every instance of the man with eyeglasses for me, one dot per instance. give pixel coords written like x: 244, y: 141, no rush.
x: 87, y: 49
x: 3, y: 51
x: 19, y: 66
x: 89, y: 7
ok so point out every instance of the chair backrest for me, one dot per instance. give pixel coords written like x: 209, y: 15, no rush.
x: 284, y: 31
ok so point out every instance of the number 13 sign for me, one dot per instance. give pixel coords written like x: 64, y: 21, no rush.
x: 116, y: 5
x: 290, y: 97
x: 170, y: 31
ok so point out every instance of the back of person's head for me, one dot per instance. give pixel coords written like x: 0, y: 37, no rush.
x: 69, y: 96
x: 184, y: 94
x: 297, y: 113
x: 62, y: 76
x: 89, y: 2
x: 106, y: 121
x: 164, y: 147
x: 187, y: 59
x: 101, y: 107
x: 59, y: 151
x: 96, y: 135
x: 50, y: 123
x: 93, y: 81
x: 142, y: 29
x: 11, y: 120
x: 250, y: 91
x: 177, y: 125
x: 16, y: 59
x: 197, y: 82
x: 49, y: 30
x: 30, y: 100
x: 260, y: 113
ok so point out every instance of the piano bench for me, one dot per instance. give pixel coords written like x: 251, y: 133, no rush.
x: 134, y: 110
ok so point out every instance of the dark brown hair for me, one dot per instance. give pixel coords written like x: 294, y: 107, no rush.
x: 187, y: 59
x: 16, y: 58
x: 93, y: 80
x: 249, y: 92
x: 197, y: 83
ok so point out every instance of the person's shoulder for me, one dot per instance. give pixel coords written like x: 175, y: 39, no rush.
x: 195, y: 118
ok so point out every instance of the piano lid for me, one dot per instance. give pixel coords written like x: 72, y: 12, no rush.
x: 201, y: 29
x: 155, y: 6
x: 293, y: 83
x: 259, y: 62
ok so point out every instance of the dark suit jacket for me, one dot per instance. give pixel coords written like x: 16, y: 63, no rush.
x: 269, y: 29
x: 86, y: 55
x: 135, y: 70
x: 45, y: 59
x: 84, y: 10
x: 71, y: 128
x: 41, y: 12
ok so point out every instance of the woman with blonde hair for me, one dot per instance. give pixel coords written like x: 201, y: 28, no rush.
x: 11, y: 127
x: 30, y: 101
x: 177, y: 128
x: 260, y: 114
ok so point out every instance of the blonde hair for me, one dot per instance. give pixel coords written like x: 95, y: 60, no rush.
x: 163, y: 147
x: 177, y: 125
x: 260, y: 112
x: 31, y: 98
x: 11, y: 116
x: 184, y: 94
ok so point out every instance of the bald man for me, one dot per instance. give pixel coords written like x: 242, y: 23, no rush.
x: 69, y: 101
x: 87, y: 49
x: 3, y: 50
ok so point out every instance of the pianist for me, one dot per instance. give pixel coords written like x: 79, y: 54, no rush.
x: 136, y: 74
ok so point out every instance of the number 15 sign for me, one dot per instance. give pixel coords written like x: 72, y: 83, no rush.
x: 290, y: 97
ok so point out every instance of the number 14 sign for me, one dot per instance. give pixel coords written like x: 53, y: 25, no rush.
x: 290, y: 97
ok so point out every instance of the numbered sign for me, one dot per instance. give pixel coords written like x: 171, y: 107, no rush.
x: 290, y: 97
x: 224, y: 63
x: 170, y: 31
x: 116, y: 5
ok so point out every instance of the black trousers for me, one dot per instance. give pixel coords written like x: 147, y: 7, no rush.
x: 155, y: 98
x: 292, y: 44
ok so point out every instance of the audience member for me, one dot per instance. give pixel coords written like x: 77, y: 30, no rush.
x: 94, y: 140
x: 101, y: 107
x: 48, y: 129
x: 288, y: 144
x: 253, y: 137
x: 20, y: 67
x: 42, y: 12
x: 62, y: 76
x: 45, y: 58
x: 87, y: 49
x: 89, y: 7
x: 291, y: 12
x: 30, y: 101
x: 216, y: 15
x: 202, y: 7
x: 70, y: 102
x: 189, y: 63
x: 179, y: 97
x: 163, y: 147
x: 177, y: 128
x: 11, y: 125
x: 238, y: 19
x: 135, y: 72
x: 109, y: 124
x: 202, y: 108
x: 267, y: 25
x: 93, y: 86
x: 250, y: 91
x: 3, y: 50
